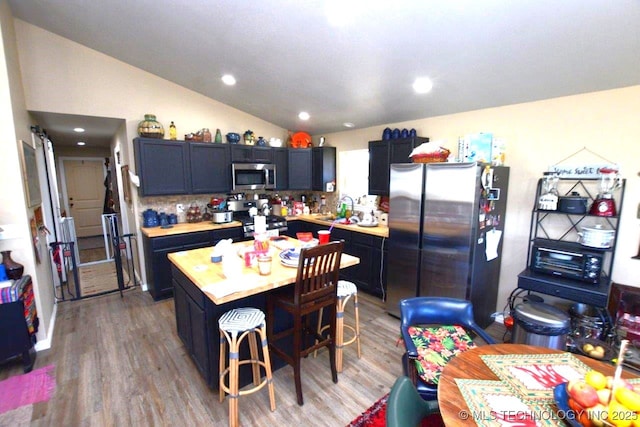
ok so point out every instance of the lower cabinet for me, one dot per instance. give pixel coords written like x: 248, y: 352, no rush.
x: 158, y: 266
x: 367, y: 274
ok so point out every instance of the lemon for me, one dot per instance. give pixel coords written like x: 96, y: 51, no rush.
x: 596, y: 379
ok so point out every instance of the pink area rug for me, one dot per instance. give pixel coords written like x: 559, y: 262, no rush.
x: 20, y: 390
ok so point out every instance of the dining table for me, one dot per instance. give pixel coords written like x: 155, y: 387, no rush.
x: 203, y: 292
x: 509, y: 376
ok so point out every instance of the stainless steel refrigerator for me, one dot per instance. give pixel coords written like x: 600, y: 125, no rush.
x: 446, y: 223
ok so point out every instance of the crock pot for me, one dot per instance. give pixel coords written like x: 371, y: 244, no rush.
x: 574, y: 204
x: 597, y: 236
x: 221, y: 217
x: 540, y: 324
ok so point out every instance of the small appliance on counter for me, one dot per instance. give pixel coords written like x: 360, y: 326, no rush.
x: 242, y: 210
x: 604, y: 204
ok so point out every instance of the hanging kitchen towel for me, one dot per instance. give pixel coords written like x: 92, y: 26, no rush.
x: 260, y: 224
x: 492, y: 241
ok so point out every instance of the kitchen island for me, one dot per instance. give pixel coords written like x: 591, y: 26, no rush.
x: 202, y: 294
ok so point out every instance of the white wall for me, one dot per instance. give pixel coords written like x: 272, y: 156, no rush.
x: 539, y: 134
x: 15, y: 126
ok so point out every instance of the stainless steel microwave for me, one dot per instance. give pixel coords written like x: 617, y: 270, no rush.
x: 253, y: 176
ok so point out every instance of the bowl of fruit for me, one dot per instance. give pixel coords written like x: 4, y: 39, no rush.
x: 594, y: 348
x: 596, y: 400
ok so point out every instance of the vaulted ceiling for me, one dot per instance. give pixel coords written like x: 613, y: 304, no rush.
x: 354, y: 61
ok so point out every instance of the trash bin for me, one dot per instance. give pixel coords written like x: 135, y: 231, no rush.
x: 540, y: 324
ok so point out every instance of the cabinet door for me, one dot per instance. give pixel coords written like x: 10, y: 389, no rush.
x: 241, y: 153
x: 281, y: 160
x: 159, y: 282
x: 210, y: 168
x: 163, y: 166
x: 300, y: 169
x: 262, y: 155
x: 324, y: 167
x: 200, y: 347
x: 183, y: 318
x: 400, y: 149
x: 378, y: 168
x: 234, y: 233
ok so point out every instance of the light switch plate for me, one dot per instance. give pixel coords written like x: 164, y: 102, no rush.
x: 179, y: 208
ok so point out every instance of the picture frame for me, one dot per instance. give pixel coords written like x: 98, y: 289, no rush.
x: 30, y: 175
x: 126, y: 183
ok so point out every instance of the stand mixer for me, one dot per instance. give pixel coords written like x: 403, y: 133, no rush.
x: 604, y: 204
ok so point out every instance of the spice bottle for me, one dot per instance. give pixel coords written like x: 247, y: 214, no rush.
x: 173, y: 134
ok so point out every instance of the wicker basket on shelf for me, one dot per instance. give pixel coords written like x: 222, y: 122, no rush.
x: 438, y: 157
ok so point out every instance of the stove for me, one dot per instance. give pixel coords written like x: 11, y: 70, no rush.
x: 243, y: 209
x: 275, y: 224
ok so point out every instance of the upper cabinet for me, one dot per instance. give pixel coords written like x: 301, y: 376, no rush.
x: 382, y: 154
x: 251, y: 154
x: 324, y: 168
x: 163, y: 166
x: 210, y: 168
x: 300, y: 164
x: 168, y: 167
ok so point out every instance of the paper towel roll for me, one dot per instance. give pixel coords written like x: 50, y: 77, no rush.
x: 260, y: 224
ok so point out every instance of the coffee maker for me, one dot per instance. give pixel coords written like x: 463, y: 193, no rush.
x: 604, y: 204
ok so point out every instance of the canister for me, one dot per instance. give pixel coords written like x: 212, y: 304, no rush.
x: 541, y: 325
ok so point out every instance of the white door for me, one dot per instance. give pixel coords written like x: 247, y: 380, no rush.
x: 85, y: 195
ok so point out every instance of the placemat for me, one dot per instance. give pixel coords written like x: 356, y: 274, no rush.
x: 532, y: 377
x: 493, y: 404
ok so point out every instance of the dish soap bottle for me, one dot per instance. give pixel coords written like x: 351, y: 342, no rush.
x: 173, y: 134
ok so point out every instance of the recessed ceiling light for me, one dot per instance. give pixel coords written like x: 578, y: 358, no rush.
x: 228, y: 79
x: 81, y: 143
x: 422, y: 85
x: 79, y: 130
x: 348, y: 124
x: 303, y: 115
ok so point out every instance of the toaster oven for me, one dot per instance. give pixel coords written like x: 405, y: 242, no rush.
x: 566, y: 259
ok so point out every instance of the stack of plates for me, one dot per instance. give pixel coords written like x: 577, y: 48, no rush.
x: 290, y: 257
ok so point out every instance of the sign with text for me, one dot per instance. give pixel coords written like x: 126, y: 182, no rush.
x: 580, y: 171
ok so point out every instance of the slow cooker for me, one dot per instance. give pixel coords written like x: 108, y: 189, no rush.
x: 597, y: 236
x: 221, y: 217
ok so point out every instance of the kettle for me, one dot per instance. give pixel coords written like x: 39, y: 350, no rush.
x: 266, y: 209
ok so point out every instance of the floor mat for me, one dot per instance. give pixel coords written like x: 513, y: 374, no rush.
x: 97, y: 278
x: 20, y: 390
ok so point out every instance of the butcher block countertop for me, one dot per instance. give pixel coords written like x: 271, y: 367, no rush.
x: 196, y: 264
x: 379, y: 231
x: 186, y: 227
x: 151, y: 232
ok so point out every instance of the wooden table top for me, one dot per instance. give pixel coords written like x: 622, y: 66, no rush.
x: 469, y: 365
x: 197, y: 266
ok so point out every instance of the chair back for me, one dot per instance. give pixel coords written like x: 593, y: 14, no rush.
x: 318, y: 273
x: 405, y: 407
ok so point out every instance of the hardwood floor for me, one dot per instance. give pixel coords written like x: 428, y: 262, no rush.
x: 119, y: 362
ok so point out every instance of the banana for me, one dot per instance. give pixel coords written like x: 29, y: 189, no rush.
x: 628, y: 398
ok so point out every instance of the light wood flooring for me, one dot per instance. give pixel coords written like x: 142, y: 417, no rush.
x: 119, y: 362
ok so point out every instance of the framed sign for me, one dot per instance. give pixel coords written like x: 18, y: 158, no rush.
x: 30, y: 174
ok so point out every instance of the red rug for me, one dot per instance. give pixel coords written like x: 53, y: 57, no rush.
x: 375, y: 416
x: 36, y: 386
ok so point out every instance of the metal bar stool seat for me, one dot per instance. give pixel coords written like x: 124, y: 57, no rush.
x: 234, y: 326
x: 346, y: 290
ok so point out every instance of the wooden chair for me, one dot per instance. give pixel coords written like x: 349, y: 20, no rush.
x: 315, y: 288
x: 429, y: 319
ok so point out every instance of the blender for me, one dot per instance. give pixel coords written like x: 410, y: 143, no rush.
x: 548, y: 200
x: 604, y: 204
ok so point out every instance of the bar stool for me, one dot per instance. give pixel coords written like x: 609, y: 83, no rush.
x: 234, y: 326
x: 345, y: 291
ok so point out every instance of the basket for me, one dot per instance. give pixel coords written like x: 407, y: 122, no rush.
x: 439, y: 157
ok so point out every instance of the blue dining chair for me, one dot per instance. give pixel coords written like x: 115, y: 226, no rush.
x: 435, y: 329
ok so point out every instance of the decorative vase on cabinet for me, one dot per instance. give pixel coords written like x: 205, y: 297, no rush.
x: 14, y: 269
x: 150, y: 127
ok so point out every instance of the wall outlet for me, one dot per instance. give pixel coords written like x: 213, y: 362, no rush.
x: 179, y: 208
